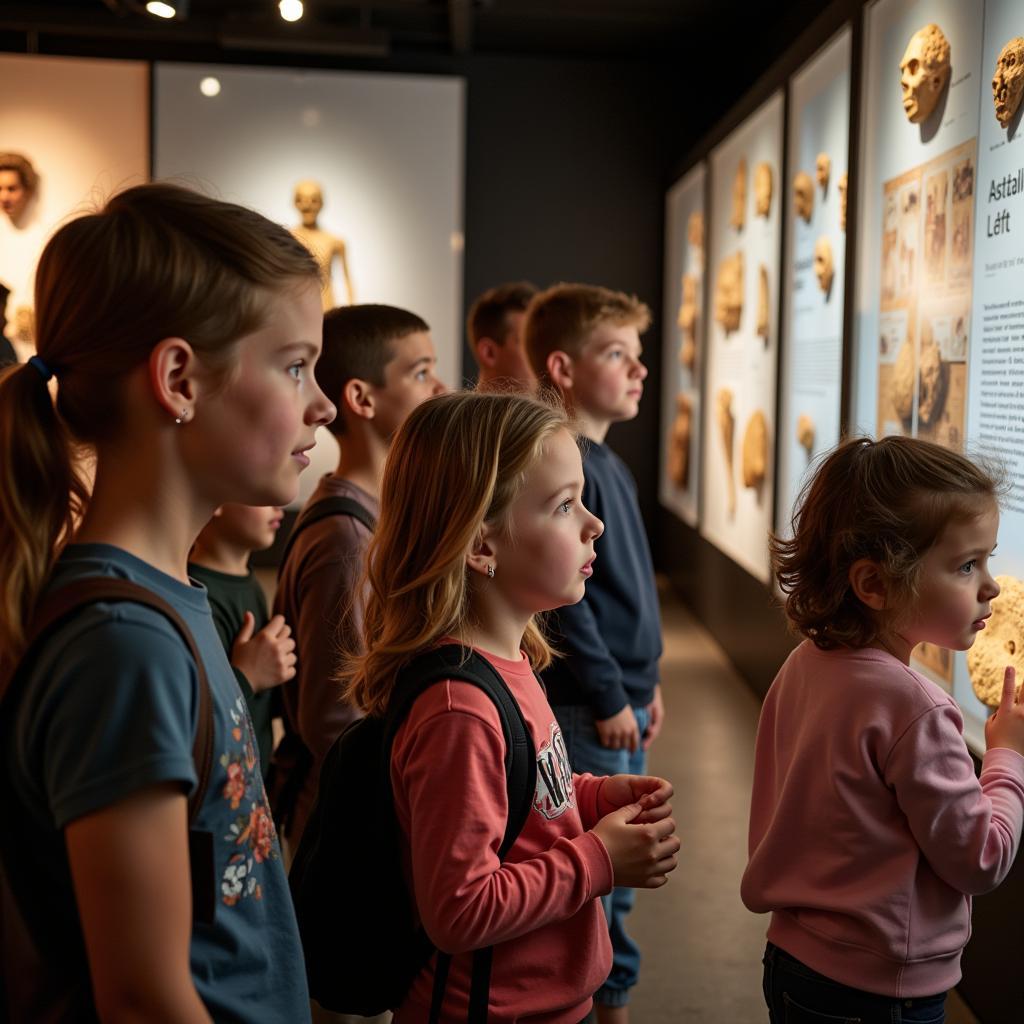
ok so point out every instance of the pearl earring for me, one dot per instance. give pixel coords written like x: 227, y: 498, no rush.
x: 182, y: 418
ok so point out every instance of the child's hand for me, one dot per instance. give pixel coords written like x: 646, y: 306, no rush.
x: 651, y: 793
x: 655, y: 718
x: 1006, y: 727
x: 620, y: 732
x: 641, y: 855
x: 268, y: 658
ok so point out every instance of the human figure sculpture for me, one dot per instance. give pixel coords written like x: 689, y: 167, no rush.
x: 824, y: 265
x: 1008, y: 80
x: 841, y: 185
x: 309, y: 201
x: 18, y: 184
x: 803, y: 196
x: 763, y: 187
x: 687, y: 321
x: 823, y: 170
x: 924, y: 72
x: 739, y: 196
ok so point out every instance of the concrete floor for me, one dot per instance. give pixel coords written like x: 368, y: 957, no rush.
x: 702, y: 948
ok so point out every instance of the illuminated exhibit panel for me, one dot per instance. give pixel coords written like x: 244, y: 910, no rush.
x: 682, y: 345
x: 813, y: 268
x: 372, y: 164
x: 738, y: 441
x: 83, y: 128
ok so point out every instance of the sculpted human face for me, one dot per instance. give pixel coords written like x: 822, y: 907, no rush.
x: 763, y: 189
x: 13, y: 194
x: 824, y: 268
x: 823, y: 170
x: 803, y: 196
x: 729, y: 293
x: 309, y: 201
x: 1008, y: 81
x: 924, y: 71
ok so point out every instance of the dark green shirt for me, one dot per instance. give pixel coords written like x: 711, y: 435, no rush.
x: 230, y: 598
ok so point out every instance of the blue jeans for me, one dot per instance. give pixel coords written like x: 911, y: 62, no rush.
x: 797, y: 995
x: 586, y: 754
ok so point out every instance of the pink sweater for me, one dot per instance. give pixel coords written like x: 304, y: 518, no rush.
x: 540, y: 908
x: 869, y: 830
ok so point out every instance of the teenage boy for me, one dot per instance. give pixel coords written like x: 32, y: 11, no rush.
x: 495, y: 330
x: 585, y: 341
x: 377, y: 364
x: 261, y: 649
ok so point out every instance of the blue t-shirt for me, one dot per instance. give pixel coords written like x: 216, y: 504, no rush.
x: 111, y: 707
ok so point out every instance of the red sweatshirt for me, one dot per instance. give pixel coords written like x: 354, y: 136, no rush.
x: 869, y: 830
x: 540, y: 908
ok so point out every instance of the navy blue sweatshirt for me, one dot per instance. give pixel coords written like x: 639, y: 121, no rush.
x: 612, y: 638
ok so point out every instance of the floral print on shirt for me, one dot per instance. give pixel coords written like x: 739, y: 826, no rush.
x: 251, y: 832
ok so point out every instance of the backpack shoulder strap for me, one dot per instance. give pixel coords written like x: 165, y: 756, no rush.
x: 317, y: 510
x: 59, y: 605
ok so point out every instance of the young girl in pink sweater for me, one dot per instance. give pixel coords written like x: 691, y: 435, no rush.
x: 869, y: 830
x: 482, y: 527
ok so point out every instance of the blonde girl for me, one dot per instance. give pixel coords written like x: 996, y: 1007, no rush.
x: 481, y: 529
x: 181, y: 333
x: 869, y: 830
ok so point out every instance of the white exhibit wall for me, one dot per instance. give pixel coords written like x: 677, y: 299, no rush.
x: 741, y: 363
x: 680, y: 388
x: 84, y: 125
x: 812, y: 342
x: 388, y: 152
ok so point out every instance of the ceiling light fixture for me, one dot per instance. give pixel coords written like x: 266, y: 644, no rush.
x: 210, y: 86
x: 291, y: 10
x: 160, y: 10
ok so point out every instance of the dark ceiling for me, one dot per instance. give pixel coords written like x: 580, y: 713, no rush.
x: 740, y: 35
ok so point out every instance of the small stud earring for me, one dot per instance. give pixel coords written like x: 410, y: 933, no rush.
x: 490, y: 572
x: 181, y: 419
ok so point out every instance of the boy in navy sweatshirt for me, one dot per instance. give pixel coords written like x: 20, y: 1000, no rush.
x: 585, y: 341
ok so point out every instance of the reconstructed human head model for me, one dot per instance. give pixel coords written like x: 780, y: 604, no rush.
x: 924, y: 72
x: 739, y: 196
x: 309, y: 201
x: 763, y: 181
x: 842, y: 200
x: 824, y: 267
x: 1008, y: 80
x: 823, y: 170
x: 729, y: 293
x: 18, y: 183
x: 803, y: 195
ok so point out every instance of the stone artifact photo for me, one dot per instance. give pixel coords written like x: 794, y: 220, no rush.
x: 726, y: 427
x: 902, y: 382
x: 805, y: 433
x: 1001, y: 643
x: 823, y: 170
x: 687, y: 321
x: 934, y: 378
x: 755, y: 451
x: 803, y: 196
x: 924, y: 72
x: 739, y: 196
x: 679, y: 443
x: 1008, y: 80
x: 729, y: 293
x: 309, y: 201
x: 824, y: 266
x: 763, y: 187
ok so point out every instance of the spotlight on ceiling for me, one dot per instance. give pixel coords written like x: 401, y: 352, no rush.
x: 291, y: 10
x: 210, y: 86
x: 161, y: 10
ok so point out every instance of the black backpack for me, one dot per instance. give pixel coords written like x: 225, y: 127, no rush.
x: 356, y: 916
x: 39, y: 957
x: 292, y: 761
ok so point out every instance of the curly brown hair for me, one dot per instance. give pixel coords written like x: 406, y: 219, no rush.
x: 887, y: 501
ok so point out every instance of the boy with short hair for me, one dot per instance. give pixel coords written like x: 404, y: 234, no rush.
x: 495, y: 330
x: 261, y: 649
x: 585, y: 341
x: 377, y: 364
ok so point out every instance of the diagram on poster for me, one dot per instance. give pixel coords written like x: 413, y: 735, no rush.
x: 683, y: 341
x: 740, y: 414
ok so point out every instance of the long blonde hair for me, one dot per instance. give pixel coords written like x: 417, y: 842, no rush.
x: 457, y: 463
x: 158, y: 261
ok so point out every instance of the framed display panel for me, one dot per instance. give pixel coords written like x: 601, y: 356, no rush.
x: 386, y: 152
x: 682, y: 354
x: 916, y: 256
x: 738, y: 434
x: 815, y: 266
x: 995, y: 406
x: 84, y: 127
